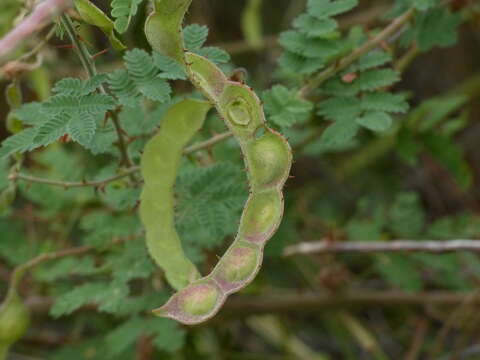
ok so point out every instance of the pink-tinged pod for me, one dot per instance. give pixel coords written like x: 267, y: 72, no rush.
x: 237, y: 267
x: 193, y: 304
x: 267, y: 157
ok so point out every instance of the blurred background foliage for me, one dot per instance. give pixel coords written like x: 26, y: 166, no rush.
x: 384, y: 148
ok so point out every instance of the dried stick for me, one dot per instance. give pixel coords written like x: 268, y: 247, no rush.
x: 369, y: 247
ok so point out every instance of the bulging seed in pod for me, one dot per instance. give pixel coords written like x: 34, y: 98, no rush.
x: 199, y: 299
x: 193, y: 304
x: 239, y: 112
x: 238, y: 265
x: 270, y: 159
x: 14, y: 320
x: 261, y: 216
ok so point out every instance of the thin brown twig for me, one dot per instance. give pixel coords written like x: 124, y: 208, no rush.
x: 20, y: 270
x: 127, y: 172
x: 73, y: 184
x: 208, y: 143
x: 370, y: 247
x: 343, y: 63
x: 418, y: 338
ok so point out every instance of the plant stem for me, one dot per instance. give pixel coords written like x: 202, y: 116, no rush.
x: 127, y: 172
x: 89, y: 66
x: 20, y: 270
x: 73, y: 184
x: 79, y: 46
x: 407, y: 59
x: 343, y: 63
x: 208, y: 143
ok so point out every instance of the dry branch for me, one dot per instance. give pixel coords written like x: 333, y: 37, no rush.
x: 431, y: 246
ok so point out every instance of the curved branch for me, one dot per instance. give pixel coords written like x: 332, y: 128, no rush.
x: 40, y: 16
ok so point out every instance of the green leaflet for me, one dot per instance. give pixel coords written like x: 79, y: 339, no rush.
x: 160, y: 163
x: 267, y: 157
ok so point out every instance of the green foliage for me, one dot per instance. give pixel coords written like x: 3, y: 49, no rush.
x: 209, y: 205
x: 437, y: 27
x: 315, y: 42
x: 123, y: 11
x: 284, y: 107
x: 195, y: 37
x: 143, y: 72
x: 356, y: 95
x: 377, y: 159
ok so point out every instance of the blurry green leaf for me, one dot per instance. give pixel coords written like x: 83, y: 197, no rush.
x: 399, y: 270
x: 450, y: 155
x: 340, y: 132
x: 284, y: 107
x: 406, y: 216
x: 195, y: 36
x: 437, y: 27
x: 375, y: 121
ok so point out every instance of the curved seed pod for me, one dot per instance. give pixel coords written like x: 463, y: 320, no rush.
x: 14, y: 320
x: 92, y: 15
x: 13, y: 94
x: 160, y: 163
x: 267, y: 157
x: 168, y: 17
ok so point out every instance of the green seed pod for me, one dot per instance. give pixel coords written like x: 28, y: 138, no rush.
x: 206, y: 76
x: 13, y: 94
x: 160, y: 163
x: 262, y: 215
x: 238, y: 266
x: 14, y: 124
x: 267, y: 157
x: 94, y: 16
x: 14, y: 321
x: 168, y: 17
x: 194, y: 303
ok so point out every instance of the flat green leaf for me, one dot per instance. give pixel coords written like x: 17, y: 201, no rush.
x: 375, y: 121
x: 284, y: 107
x: 339, y: 133
x: 81, y: 128
x: 195, y: 36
